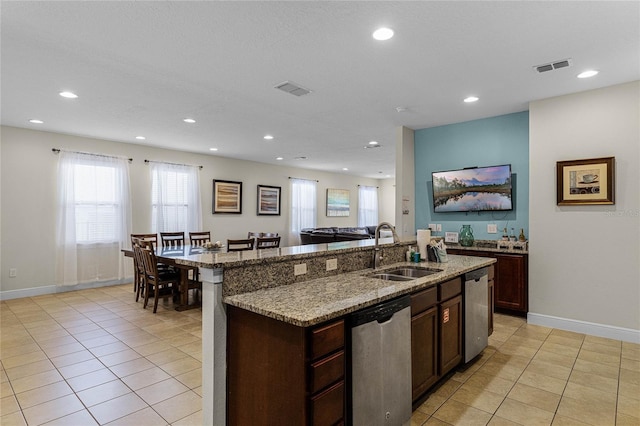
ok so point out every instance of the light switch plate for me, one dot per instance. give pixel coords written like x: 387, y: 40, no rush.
x: 492, y: 228
x: 332, y: 264
x: 439, y: 227
x: 300, y: 269
x: 432, y: 226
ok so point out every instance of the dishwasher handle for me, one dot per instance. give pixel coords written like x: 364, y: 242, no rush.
x: 381, y: 312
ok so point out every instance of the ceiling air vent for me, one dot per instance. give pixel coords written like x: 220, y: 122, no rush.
x: 553, y: 66
x: 293, y: 88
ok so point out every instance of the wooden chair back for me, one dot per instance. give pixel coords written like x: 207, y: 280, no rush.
x: 267, y: 242
x: 199, y: 238
x: 240, y: 245
x: 269, y: 234
x: 151, y: 238
x: 172, y: 239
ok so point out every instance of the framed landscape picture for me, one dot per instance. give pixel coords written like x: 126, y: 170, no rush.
x: 337, y: 202
x: 227, y: 196
x: 268, y: 200
x: 585, y: 182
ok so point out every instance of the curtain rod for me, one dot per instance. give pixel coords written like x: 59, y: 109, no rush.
x: 57, y: 151
x: 311, y: 180
x: 173, y: 164
x: 370, y: 186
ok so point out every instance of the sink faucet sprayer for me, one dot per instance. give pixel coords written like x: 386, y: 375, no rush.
x: 377, y: 254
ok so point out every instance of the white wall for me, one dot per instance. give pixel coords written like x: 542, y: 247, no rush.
x: 28, y: 176
x: 387, y: 201
x: 584, y: 271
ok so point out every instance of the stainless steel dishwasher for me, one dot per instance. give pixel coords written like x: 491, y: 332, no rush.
x: 476, y: 312
x: 381, y: 364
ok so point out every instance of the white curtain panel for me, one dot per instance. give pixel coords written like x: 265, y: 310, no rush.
x: 93, y: 218
x: 175, y: 198
x: 367, y: 206
x: 303, y: 208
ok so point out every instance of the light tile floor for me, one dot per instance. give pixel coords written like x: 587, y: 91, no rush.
x: 96, y: 357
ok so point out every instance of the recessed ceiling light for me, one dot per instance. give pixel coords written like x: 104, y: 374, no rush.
x: 36, y: 121
x: 373, y: 143
x: 279, y: 158
x: 189, y: 120
x: 213, y: 149
x: 345, y: 169
x: 141, y: 138
x: 267, y: 137
x: 587, y: 74
x: 69, y: 95
x: 383, y: 33
x: 388, y: 175
x: 471, y: 99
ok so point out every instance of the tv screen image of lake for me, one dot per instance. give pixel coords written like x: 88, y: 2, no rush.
x: 478, y: 189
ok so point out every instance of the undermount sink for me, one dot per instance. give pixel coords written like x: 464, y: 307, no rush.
x: 413, y: 272
x: 390, y: 277
x: 406, y: 273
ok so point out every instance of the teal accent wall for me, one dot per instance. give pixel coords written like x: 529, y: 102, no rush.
x: 486, y: 142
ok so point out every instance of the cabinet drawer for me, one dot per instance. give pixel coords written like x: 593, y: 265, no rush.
x: 423, y: 300
x: 327, y: 338
x: 326, y: 371
x: 327, y: 408
x: 450, y: 288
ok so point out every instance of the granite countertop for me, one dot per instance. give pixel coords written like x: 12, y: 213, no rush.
x: 493, y: 246
x: 218, y: 259
x: 315, y: 301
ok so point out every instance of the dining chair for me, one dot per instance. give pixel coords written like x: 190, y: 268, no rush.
x: 240, y: 245
x: 138, y: 239
x: 152, y: 238
x: 199, y: 238
x: 172, y: 239
x: 138, y: 265
x: 267, y: 242
x: 162, y: 284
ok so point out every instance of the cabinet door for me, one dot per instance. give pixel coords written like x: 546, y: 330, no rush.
x: 510, y: 282
x: 424, y: 351
x: 450, y: 334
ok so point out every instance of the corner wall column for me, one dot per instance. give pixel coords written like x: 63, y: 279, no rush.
x: 405, y: 220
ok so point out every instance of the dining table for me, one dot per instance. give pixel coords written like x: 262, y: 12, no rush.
x: 168, y: 256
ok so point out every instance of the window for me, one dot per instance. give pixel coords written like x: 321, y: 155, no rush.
x: 367, y: 206
x: 303, y: 208
x: 94, y: 218
x: 175, y: 198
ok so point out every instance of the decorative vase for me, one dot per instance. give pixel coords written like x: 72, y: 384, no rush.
x: 466, y: 236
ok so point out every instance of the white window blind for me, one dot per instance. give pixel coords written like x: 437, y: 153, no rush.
x: 93, y: 218
x: 175, y: 198
x: 367, y: 206
x: 303, y: 208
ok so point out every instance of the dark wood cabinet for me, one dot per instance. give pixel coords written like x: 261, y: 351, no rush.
x: 450, y: 334
x: 490, y: 298
x: 278, y: 373
x: 424, y: 341
x: 510, y: 284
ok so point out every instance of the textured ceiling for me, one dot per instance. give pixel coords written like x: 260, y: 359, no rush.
x: 139, y: 68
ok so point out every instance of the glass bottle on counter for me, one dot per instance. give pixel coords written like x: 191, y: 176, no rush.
x: 512, y: 237
x: 466, y: 236
x: 505, y: 237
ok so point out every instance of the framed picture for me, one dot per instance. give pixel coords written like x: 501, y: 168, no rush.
x: 268, y: 200
x: 584, y: 182
x: 337, y: 202
x: 227, y: 196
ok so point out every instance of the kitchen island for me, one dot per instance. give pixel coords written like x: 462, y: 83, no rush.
x: 264, y: 284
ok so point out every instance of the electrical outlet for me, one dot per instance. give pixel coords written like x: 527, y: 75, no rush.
x: 332, y: 264
x: 492, y: 228
x: 439, y: 227
x: 13, y: 272
x: 300, y: 269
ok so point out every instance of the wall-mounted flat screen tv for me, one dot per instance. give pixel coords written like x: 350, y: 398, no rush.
x: 473, y: 190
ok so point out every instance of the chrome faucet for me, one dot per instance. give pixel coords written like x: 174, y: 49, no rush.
x: 377, y: 253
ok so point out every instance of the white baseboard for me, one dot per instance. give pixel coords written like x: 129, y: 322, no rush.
x: 593, y: 329
x: 52, y: 289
